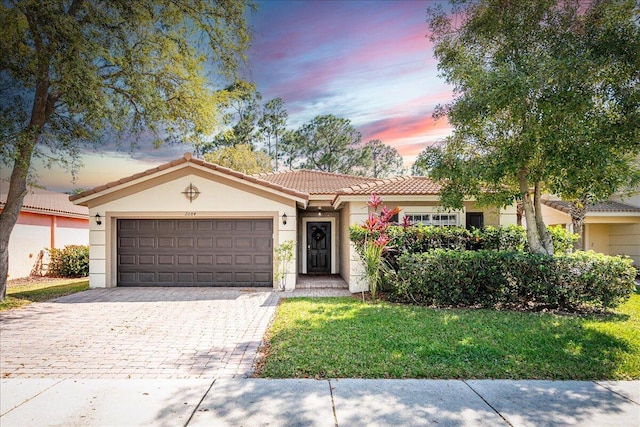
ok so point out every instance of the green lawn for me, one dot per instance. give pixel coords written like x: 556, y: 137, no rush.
x: 344, y: 337
x: 19, y: 296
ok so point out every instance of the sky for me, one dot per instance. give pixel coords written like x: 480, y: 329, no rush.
x: 367, y: 61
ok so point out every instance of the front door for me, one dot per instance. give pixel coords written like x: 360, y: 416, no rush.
x: 319, y: 247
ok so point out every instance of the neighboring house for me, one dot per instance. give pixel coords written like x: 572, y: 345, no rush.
x: 193, y: 223
x: 46, y: 220
x: 611, y: 227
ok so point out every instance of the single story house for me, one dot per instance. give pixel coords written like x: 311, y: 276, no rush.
x: 47, y: 220
x: 610, y: 227
x: 192, y: 223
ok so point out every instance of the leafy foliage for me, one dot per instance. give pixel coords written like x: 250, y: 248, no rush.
x: 331, y: 144
x: 385, y: 160
x: 87, y: 72
x: 241, y: 158
x: 71, y: 261
x: 574, y: 282
x: 283, y: 255
x: 272, y: 127
x: 546, y: 99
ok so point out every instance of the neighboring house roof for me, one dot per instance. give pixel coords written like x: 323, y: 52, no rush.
x: 45, y: 202
x: 187, y: 158
x: 314, y: 182
x: 597, y: 207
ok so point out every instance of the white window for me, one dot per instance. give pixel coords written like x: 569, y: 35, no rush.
x: 438, y: 220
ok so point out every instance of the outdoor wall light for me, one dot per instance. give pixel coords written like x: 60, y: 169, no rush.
x: 284, y: 219
x: 320, y: 211
x: 98, y: 219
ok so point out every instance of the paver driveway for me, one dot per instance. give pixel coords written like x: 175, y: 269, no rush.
x: 137, y: 333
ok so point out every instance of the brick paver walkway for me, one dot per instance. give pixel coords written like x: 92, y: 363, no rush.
x: 137, y: 333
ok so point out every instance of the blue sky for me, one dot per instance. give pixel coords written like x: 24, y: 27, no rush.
x: 367, y: 61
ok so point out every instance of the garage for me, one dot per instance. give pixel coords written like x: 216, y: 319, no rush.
x: 195, y: 252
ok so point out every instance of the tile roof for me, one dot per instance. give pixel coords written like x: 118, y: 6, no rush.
x: 187, y: 158
x: 314, y: 182
x: 402, y: 185
x: 597, y: 207
x: 46, y: 202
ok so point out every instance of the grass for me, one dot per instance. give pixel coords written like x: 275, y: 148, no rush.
x: 22, y: 295
x: 344, y: 337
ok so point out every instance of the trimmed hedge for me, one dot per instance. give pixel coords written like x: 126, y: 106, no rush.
x: 422, y: 238
x: 571, y: 282
x: 72, y: 261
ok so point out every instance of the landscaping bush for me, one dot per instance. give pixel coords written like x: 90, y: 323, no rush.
x: 510, y: 238
x: 72, y: 261
x: 571, y: 282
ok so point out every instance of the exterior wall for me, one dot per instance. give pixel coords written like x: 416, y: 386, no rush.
x: 554, y: 217
x: 625, y: 239
x: 163, y: 198
x: 358, y: 213
x: 344, y: 243
x: 597, y: 238
x: 508, y: 216
x: 35, y: 232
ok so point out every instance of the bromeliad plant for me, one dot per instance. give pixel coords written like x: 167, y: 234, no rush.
x: 376, y: 241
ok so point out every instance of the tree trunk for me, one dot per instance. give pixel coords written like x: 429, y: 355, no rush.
x: 543, y: 232
x: 533, y: 236
x: 9, y: 215
x: 519, y: 213
x: 43, y: 105
x: 578, y: 213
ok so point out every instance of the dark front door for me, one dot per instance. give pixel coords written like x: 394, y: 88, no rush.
x: 475, y: 220
x: 319, y: 247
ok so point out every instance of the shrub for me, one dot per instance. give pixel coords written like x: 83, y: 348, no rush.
x: 574, y: 282
x: 423, y: 238
x: 510, y: 238
x: 72, y: 261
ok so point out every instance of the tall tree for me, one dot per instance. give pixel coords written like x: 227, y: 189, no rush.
x: 242, y: 158
x: 84, y: 71
x: 385, y: 160
x: 546, y: 99
x: 331, y: 144
x: 272, y: 126
x: 241, y: 112
x: 289, y: 151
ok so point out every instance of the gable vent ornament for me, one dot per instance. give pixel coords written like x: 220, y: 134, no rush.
x: 191, y: 192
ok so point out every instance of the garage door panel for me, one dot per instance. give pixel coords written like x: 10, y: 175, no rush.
x: 166, y: 260
x: 185, y: 242
x: 262, y: 260
x: 185, y: 259
x: 243, y: 242
x: 262, y: 243
x: 224, y: 242
x: 145, y: 226
x: 185, y: 225
x: 195, y: 252
x: 127, y: 242
x: 127, y: 260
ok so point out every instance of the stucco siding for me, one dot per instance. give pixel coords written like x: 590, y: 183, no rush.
x: 345, y: 244
x: 597, y: 237
x: 358, y: 212
x: 624, y: 239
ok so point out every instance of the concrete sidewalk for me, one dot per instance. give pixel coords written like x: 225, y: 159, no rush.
x: 336, y: 402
